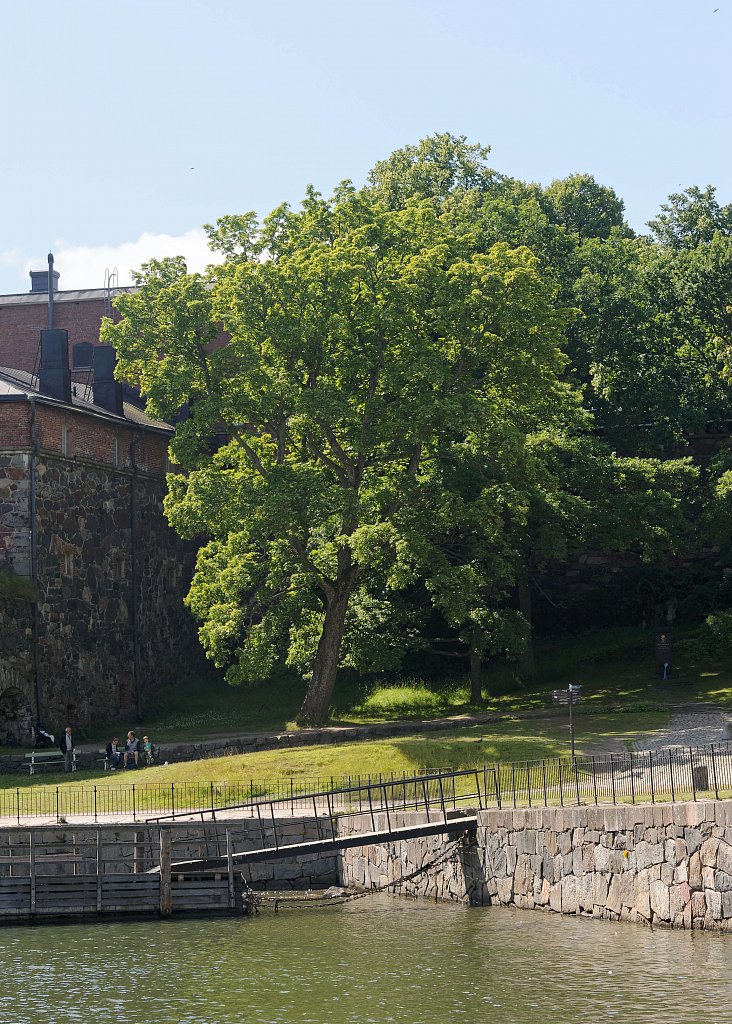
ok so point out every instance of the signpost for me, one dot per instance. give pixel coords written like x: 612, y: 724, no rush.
x: 569, y: 696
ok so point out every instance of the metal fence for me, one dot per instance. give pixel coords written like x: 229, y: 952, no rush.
x: 679, y: 773
x: 655, y: 776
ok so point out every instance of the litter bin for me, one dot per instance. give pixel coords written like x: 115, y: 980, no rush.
x: 700, y: 775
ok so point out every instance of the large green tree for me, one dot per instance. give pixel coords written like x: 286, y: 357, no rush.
x: 369, y: 346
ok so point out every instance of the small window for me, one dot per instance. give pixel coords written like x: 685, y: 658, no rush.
x: 66, y: 445
x: 116, y: 451
x: 68, y: 563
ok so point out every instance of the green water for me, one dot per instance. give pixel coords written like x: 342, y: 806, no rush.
x: 374, y: 961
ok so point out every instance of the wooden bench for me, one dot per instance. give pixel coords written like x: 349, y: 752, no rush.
x: 36, y: 759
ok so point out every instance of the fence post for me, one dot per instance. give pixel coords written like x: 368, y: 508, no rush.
x: 650, y: 765
x: 714, y: 775
x: 576, y: 780
x: 594, y: 779
x: 612, y: 774
x: 17, y: 802
x: 166, y: 895
x: 561, y: 790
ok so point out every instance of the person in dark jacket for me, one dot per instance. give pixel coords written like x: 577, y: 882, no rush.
x: 114, y: 754
x: 66, y: 746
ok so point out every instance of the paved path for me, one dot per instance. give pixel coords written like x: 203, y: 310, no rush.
x: 687, y: 729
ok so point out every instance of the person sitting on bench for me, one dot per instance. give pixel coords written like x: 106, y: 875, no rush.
x: 148, y: 750
x: 114, y: 755
x: 132, y: 749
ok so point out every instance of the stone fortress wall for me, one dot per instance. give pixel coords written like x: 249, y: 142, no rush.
x: 661, y: 864
x: 87, y: 586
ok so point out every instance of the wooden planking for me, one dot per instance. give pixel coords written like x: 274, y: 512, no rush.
x: 43, y: 877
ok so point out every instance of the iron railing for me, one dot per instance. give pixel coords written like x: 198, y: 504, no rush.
x: 676, y: 774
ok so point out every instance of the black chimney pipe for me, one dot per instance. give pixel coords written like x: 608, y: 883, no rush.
x: 50, y: 291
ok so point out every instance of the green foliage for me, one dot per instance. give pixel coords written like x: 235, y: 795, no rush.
x: 719, y: 632
x: 434, y: 388
x: 16, y: 588
x: 370, y: 351
x: 691, y: 218
x: 583, y: 206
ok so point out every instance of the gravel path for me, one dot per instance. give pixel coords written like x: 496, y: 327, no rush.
x: 687, y: 729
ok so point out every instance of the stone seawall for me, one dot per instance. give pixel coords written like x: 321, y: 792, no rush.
x: 662, y: 864
x: 453, y: 866
x: 668, y: 864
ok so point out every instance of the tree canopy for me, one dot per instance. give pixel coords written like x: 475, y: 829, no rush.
x: 408, y: 403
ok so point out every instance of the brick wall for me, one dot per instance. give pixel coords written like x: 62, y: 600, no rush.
x: 21, y: 324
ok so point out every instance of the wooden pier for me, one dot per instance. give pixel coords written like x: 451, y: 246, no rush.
x: 66, y: 870
x: 53, y: 872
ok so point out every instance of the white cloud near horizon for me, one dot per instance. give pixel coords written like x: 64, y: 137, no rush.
x: 86, y: 266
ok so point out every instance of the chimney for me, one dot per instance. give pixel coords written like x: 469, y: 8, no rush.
x: 106, y: 390
x: 39, y: 280
x: 55, y: 377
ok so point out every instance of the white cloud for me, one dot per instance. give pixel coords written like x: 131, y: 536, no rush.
x: 82, y: 266
x: 85, y: 266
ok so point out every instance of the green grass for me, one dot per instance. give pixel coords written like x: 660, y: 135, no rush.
x: 470, y: 747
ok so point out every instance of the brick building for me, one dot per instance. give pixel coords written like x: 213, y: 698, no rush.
x: 82, y: 481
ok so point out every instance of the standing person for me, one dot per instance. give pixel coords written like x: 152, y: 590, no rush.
x: 132, y: 749
x: 114, y: 754
x: 66, y: 746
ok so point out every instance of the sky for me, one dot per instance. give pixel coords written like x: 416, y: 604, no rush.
x: 127, y: 127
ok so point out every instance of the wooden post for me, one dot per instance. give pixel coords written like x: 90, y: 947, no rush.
x: 139, y: 854
x: 32, y: 863
x: 100, y: 869
x: 230, y: 867
x: 166, y: 901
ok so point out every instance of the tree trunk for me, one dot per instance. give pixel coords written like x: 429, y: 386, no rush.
x: 476, y: 667
x: 527, y: 665
x: 314, y: 710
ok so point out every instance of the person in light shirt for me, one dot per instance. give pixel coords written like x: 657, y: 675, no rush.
x: 66, y: 746
x: 132, y: 750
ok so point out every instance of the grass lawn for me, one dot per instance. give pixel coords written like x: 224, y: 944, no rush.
x: 471, y: 747
x: 614, y: 666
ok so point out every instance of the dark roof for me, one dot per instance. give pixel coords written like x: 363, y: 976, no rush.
x: 19, y: 384
x: 74, y: 295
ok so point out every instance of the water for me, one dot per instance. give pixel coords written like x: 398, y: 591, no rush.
x: 374, y: 961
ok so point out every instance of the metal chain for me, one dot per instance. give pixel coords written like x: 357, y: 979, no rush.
x: 291, y: 902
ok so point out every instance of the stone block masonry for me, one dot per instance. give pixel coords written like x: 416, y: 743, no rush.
x: 110, y: 573
x: 662, y: 864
